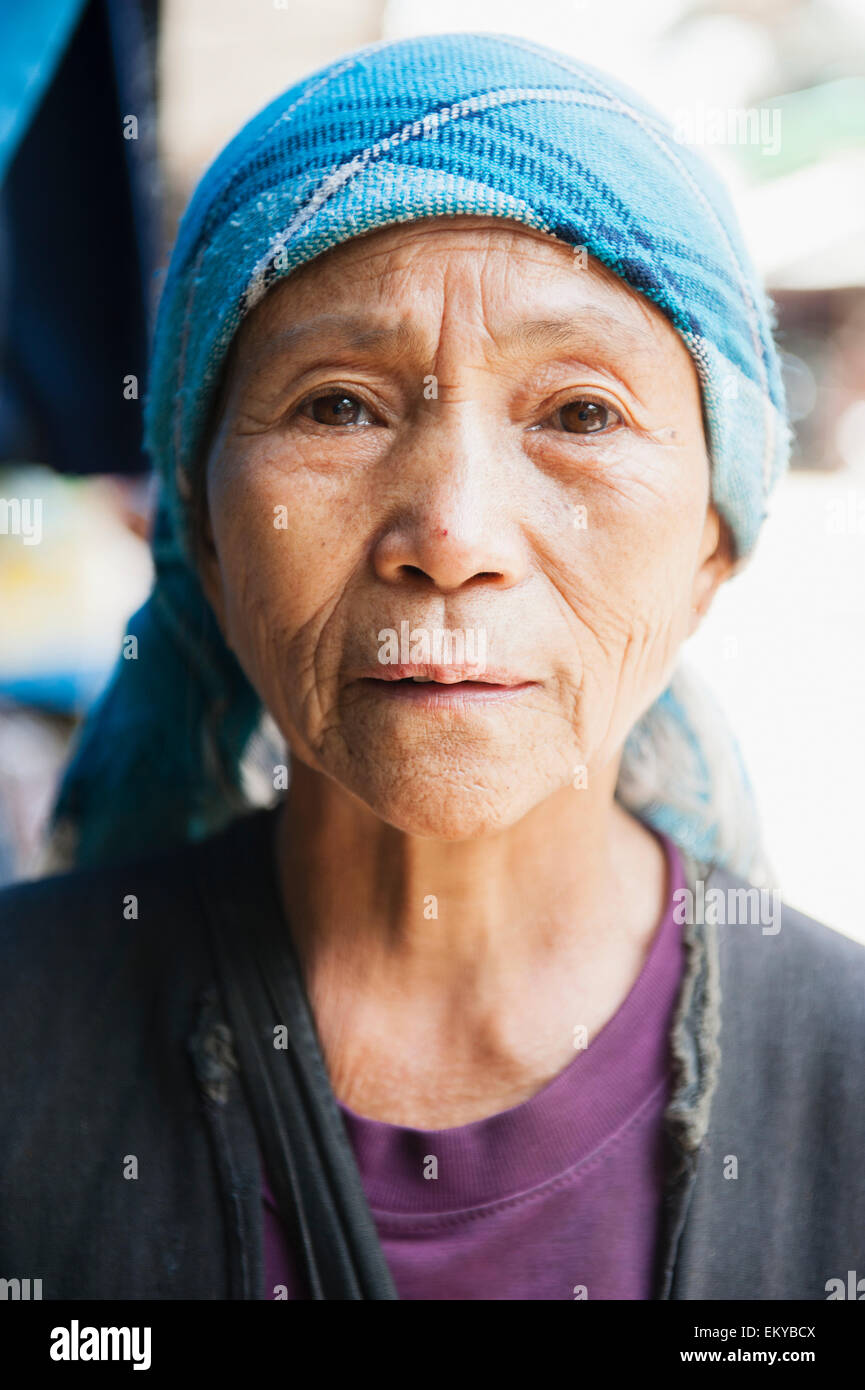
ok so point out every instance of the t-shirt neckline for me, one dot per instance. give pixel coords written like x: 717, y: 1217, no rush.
x: 562, y: 1125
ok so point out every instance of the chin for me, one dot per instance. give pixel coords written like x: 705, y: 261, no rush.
x: 449, y: 805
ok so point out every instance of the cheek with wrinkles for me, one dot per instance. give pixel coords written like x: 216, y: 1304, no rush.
x: 627, y: 585
x: 625, y: 577
x: 277, y: 630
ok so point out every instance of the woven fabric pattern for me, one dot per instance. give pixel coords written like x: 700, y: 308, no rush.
x: 443, y: 125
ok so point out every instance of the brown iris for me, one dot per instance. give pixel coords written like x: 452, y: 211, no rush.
x: 584, y: 417
x: 337, y: 408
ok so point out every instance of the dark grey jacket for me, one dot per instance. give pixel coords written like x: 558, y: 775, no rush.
x: 116, y: 1059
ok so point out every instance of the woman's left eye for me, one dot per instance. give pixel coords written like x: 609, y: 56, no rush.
x: 335, y: 408
x: 585, y: 417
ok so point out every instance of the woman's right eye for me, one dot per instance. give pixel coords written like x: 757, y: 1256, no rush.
x: 335, y: 408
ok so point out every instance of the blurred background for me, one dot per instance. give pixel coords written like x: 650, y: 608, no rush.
x: 110, y: 110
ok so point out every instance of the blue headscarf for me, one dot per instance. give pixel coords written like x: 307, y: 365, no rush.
x: 444, y: 125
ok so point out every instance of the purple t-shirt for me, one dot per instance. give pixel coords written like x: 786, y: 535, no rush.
x: 558, y: 1197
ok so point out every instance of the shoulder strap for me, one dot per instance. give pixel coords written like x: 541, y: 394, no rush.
x: 309, y: 1159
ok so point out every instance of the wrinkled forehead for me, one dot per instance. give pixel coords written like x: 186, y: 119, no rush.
x: 390, y: 290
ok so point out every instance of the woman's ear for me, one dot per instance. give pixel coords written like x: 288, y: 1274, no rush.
x: 717, y: 561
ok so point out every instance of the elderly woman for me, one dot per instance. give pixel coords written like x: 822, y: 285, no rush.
x: 464, y: 402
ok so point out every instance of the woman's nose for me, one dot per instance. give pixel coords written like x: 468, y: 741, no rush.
x: 455, y: 517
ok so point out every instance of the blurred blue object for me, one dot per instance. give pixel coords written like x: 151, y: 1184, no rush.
x: 79, y: 231
x: 68, y: 691
x: 33, y: 38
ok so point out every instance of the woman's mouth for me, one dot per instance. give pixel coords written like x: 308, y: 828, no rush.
x: 445, y: 687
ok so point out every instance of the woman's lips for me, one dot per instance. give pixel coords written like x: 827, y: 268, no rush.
x: 440, y: 687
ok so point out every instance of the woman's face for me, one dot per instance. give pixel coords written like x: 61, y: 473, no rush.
x: 449, y: 442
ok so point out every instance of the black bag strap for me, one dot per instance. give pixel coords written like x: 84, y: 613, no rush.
x: 308, y: 1156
